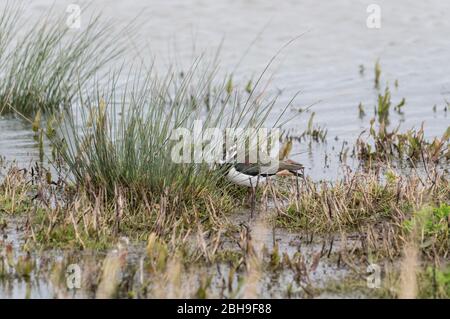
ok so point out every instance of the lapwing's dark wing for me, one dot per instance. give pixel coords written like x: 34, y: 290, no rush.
x: 252, y: 169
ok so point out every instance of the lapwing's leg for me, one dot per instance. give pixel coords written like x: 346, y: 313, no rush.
x: 302, y: 175
x: 253, y: 190
x: 253, y: 200
x: 248, y: 198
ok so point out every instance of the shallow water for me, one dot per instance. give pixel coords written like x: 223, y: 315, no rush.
x: 323, y: 63
x: 46, y: 282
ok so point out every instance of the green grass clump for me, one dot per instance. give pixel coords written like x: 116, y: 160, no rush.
x: 383, y: 106
x: 433, y: 227
x: 42, y: 66
x: 386, y: 145
x: 120, y: 138
x: 323, y: 207
x: 361, y: 199
x: 435, y: 283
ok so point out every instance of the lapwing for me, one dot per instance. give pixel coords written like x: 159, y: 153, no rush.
x: 254, y: 174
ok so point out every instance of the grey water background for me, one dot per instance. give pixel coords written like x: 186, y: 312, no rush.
x: 323, y: 63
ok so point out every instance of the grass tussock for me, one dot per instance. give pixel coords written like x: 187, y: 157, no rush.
x: 119, y: 143
x: 44, y: 64
x: 59, y: 215
x: 371, y: 202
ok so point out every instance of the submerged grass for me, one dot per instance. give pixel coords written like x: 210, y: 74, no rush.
x: 384, y: 145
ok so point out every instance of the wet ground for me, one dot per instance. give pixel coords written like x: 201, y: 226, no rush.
x: 48, y: 279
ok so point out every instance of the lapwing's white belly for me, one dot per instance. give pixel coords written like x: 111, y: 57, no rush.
x: 241, y: 179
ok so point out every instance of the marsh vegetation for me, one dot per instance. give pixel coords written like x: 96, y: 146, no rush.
x: 106, y: 196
